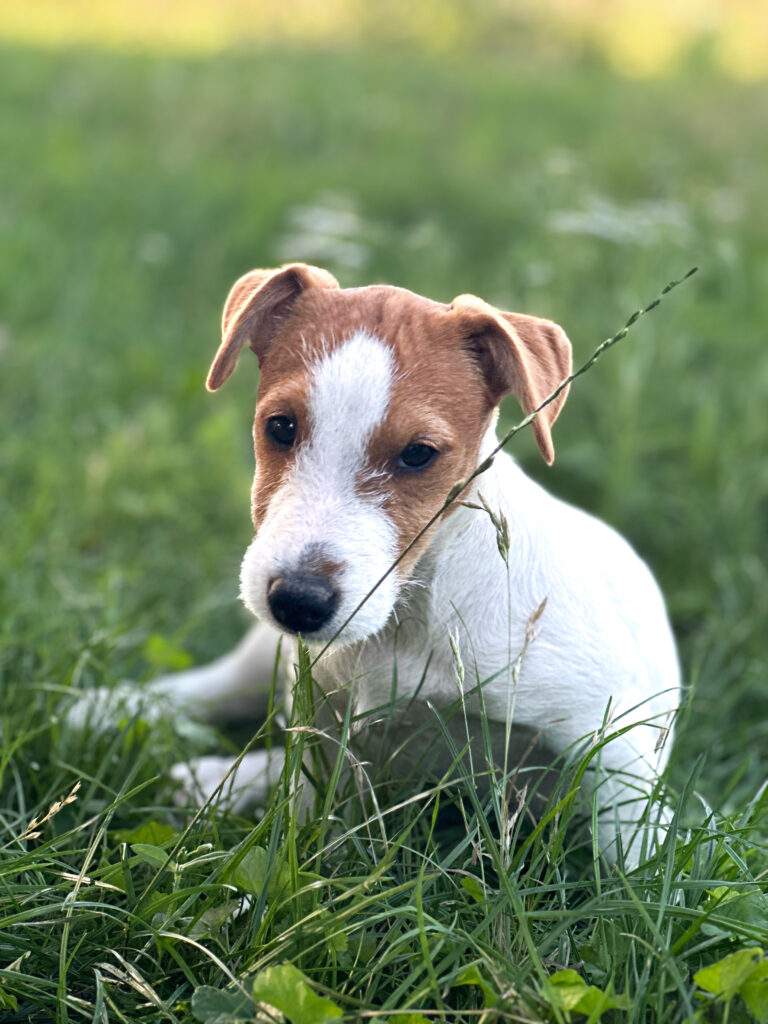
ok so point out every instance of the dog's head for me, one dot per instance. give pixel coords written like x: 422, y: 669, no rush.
x: 372, y: 403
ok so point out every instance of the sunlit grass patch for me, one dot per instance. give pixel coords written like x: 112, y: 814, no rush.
x: 637, y: 39
x: 381, y: 905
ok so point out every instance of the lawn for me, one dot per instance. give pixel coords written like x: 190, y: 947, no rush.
x: 133, y: 190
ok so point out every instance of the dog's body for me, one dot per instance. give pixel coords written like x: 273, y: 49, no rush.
x: 373, y: 403
x: 603, y: 642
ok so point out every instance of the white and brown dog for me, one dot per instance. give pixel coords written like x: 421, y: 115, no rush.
x: 373, y: 402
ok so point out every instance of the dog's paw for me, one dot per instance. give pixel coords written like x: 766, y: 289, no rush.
x: 211, y: 777
x: 106, y: 708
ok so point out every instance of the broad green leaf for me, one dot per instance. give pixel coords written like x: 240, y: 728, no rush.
x: 250, y: 873
x: 726, y: 977
x: 286, y: 988
x: 737, y: 906
x: 410, y: 1018
x: 153, y: 832
x: 473, y: 887
x: 282, y: 882
x: 8, y: 1001
x: 220, y: 1006
x: 363, y: 945
x: 567, y: 990
x: 473, y: 976
x: 336, y: 939
x: 595, y: 1002
x: 213, y: 918
x: 149, y: 853
x: 754, y: 992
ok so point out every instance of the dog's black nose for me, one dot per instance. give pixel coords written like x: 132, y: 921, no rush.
x: 302, y: 602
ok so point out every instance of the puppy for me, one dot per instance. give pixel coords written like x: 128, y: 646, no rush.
x: 372, y: 404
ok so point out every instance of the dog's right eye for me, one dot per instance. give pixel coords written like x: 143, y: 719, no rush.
x: 281, y: 430
x: 416, y: 456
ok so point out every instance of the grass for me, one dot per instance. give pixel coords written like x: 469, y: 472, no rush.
x: 139, y: 188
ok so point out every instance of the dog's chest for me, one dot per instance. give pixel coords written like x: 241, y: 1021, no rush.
x: 420, y: 712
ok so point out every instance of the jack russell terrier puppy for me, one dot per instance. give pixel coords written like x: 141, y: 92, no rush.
x: 372, y: 403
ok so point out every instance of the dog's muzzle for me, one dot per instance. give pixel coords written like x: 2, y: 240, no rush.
x: 302, y: 602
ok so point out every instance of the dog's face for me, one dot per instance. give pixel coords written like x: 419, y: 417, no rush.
x: 372, y: 404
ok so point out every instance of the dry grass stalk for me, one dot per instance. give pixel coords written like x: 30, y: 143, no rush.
x: 34, y: 827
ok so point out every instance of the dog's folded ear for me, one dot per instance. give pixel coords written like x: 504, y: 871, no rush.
x: 256, y: 306
x: 520, y: 355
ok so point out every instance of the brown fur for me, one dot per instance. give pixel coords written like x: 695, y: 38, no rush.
x: 255, y: 305
x: 455, y: 363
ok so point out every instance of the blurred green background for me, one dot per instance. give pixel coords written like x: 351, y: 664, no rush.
x: 561, y: 159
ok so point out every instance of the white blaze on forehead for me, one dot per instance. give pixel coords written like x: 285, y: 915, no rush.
x: 349, y: 396
x: 317, y: 509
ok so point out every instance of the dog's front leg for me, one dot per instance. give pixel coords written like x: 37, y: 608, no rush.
x: 235, y: 685
x: 244, y: 783
x: 240, y: 786
x: 621, y: 783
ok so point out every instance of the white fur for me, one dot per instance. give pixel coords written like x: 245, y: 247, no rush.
x: 250, y: 786
x: 603, y: 645
x: 318, y: 508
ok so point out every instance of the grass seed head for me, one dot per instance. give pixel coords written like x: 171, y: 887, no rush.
x: 33, y: 830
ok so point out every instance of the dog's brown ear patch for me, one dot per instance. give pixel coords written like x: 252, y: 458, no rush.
x: 256, y: 306
x: 522, y: 355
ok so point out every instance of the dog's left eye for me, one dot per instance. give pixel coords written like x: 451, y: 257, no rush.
x: 281, y: 430
x: 416, y: 456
